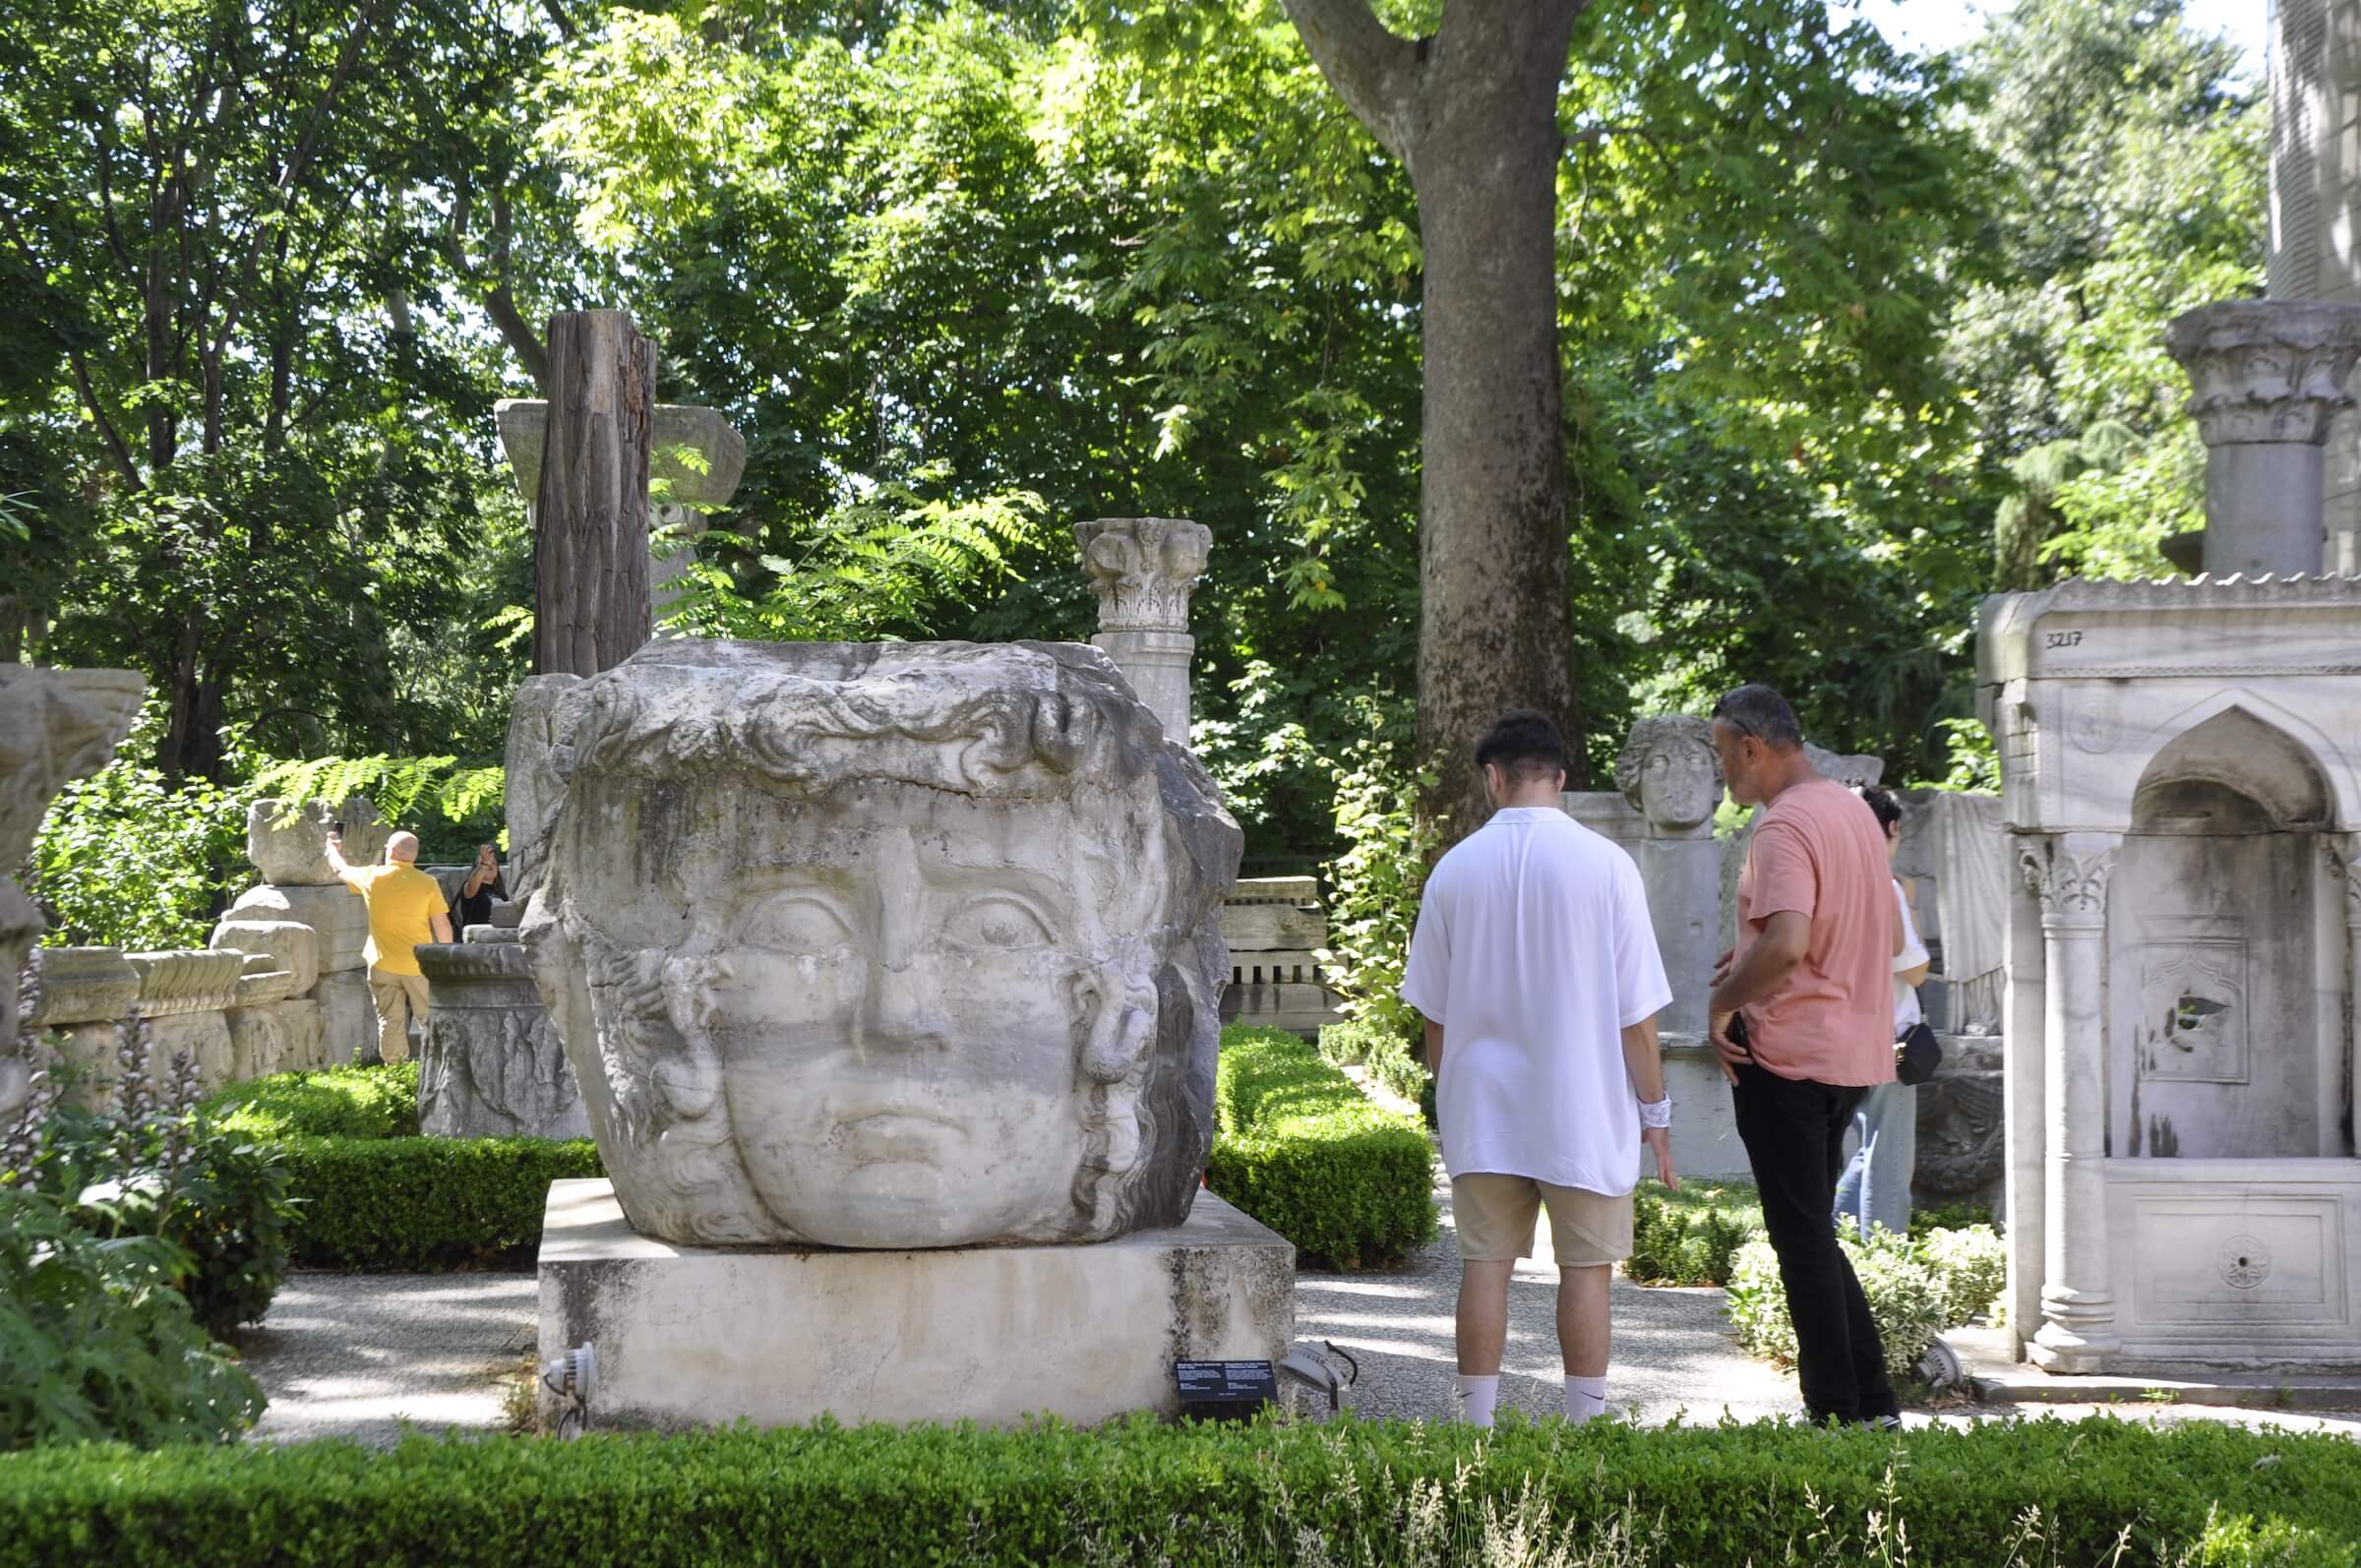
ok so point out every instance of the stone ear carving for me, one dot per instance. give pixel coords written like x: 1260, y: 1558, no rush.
x: 1121, y: 1020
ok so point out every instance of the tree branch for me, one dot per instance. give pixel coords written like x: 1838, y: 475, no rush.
x: 498, y: 300
x: 1375, y: 71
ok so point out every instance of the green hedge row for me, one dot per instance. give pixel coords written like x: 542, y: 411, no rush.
x: 1301, y: 1148
x: 2037, y: 1492
x: 374, y: 1195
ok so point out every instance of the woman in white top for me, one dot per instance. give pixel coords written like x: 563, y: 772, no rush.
x: 1875, y: 1188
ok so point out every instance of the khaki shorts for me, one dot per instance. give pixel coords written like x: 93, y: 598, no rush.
x: 1495, y: 1216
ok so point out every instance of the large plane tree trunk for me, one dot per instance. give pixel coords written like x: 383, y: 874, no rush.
x: 1471, y: 113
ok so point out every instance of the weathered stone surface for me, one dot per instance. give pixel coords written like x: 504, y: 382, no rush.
x: 347, y: 1019
x: 1267, y: 927
x: 187, y: 979
x: 260, y: 981
x: 290, y: 848
x: 1144, y: 570
x: 2178, y: 771
x: 887, y: 946
x: 55, y: 726
x: 277, y: 1037
x: 490, y: 1064
x: 204, y: 1037
x: 543, y: 712
x: 338, y: 919
x: 290, y: 944
x: 706, y: 1336
x: 1668, y: 773
x: 83, y: 985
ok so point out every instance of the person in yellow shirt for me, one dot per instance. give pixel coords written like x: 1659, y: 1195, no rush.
x: 407, y: 907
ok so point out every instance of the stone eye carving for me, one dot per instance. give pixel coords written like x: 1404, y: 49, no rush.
x: 797, y: 922
x: 996, y: 921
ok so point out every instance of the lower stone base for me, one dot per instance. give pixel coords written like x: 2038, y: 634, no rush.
x: 277, y: 1037
x: 349, y: 1017
x: 689, y: 1337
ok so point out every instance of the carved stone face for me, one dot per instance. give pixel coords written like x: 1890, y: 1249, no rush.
x: 1669, y: 771
x: 899, y: 952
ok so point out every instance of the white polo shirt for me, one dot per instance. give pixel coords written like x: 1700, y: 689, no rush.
x: 1535, y: 953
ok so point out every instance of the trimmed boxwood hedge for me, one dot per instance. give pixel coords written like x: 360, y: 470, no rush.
x: 1301, y: 1148
x: 376, y: 1196
x: 2031, y: 1493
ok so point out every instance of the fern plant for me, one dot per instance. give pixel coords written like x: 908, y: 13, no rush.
x: 399, y: 785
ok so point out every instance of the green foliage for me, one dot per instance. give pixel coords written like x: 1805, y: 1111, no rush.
x: 1915, y: 1290
x: 97, y: 1343
x: 2131, y: 143
x: 378, y: 1101
x: 1365, y: 1043
x: 1971, y: 1261
x: 403, y: 1204
x: 378, y: 1197
x: 1297, y: 1146
x: 888, y: 565
x: 1686, y: 1243
x: 150, y: 1163
x: 461, y: 793
x: 127, y: 859
x: 2017, y: 1495
x: 1374, y: 884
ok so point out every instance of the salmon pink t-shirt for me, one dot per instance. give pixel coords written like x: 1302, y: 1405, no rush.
x: 1819, y: 851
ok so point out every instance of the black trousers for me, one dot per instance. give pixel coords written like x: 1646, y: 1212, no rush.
x: 1794, y: 1130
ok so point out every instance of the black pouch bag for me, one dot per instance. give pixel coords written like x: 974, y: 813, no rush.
x: 1917, y: 1054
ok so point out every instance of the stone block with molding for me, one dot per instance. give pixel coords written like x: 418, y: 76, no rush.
x: 290, y: 944
x: 277, y: 1037
x: 187, y: 979
x: 83, y: 985
x: 686, y: 1337
x: 348, y: 1017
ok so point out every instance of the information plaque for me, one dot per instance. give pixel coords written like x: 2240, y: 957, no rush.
x: 1225, y: 1391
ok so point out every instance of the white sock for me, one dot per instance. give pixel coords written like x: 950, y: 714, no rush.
x: 1477, y: 1395
x: 1586, y: 1398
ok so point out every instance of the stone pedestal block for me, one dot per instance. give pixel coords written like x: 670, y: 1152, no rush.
x: 205, y: 1037
x: 290, y: 848
x: 348, y: 1019
x: 689, y: 1337
x: 1705, y: 1124
x: 291, y: 945
x: 490, y: 1064
x: 338, y: 917
x: 83, y: 985
x: 279, y: 1037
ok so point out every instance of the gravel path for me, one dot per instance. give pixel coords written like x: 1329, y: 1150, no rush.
x: 1674, y: 1354
x: 361, y: 1355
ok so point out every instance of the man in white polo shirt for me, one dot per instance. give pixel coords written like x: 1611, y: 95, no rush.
x: 1534, y: 967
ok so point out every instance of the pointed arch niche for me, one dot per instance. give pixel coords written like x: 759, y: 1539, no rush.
x: 2222, y: 942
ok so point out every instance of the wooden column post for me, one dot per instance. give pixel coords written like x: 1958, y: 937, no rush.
x: 590, y: 538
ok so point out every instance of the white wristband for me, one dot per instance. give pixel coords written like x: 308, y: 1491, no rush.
x: 1656, y: 1113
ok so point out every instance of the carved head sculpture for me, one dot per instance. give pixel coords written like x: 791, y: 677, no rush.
x: 1669, y: 771
x: 885, y: 945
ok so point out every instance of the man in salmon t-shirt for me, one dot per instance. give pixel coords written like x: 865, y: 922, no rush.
x: 1812, y: 979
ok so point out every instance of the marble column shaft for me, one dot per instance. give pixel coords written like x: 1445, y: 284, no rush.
x: 2070, y: 873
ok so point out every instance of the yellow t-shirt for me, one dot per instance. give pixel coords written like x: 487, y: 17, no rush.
x: 400, y: 899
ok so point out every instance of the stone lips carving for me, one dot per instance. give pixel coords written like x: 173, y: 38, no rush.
x: 1668, y: 773
x: 885, y: 945
x: 1143, y: 568
x: 2266, y: 370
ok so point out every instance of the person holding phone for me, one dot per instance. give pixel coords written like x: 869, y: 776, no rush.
x: 484, y: 886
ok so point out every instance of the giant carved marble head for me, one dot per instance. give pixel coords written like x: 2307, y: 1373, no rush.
x: 1669, y: 771
x: 885, y: 945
